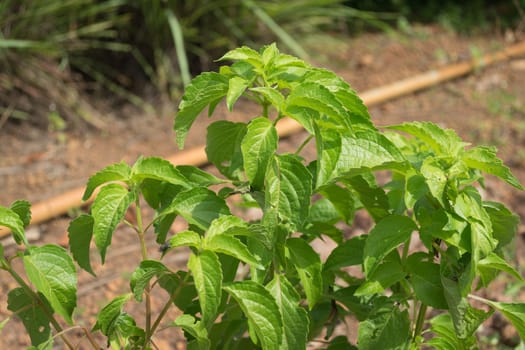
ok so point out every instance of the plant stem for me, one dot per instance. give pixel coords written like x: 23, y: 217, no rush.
x: 147, y: 289
x: 305, y: 142
x: 42, y: 305
x: 420, y: 320
x: 167, y: 306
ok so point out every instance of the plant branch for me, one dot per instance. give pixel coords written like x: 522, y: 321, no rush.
x: 303, y: 145
x: 420, y: 320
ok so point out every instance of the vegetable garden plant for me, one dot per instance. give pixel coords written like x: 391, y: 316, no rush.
x: 260, y: 284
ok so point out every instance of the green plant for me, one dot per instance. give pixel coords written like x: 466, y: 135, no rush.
x: 286, y: 296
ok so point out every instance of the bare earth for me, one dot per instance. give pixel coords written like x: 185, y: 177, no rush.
x: 486, y: 107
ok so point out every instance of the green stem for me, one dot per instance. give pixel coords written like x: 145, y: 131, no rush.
x: 168, y: 304
x: 42, y: 305
x: 305, y: 142
x: 147, y: 289
x: 420, y: 320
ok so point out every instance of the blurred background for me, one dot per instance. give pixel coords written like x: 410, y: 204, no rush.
x: 85, y: 83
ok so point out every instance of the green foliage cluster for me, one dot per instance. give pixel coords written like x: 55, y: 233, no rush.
x: 259, y: 284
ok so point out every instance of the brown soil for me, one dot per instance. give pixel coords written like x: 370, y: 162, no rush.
x: 486, y: 107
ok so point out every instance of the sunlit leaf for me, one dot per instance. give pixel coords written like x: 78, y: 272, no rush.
x: 225, y: 152
x: 115, y: 172
x: 308, y: 265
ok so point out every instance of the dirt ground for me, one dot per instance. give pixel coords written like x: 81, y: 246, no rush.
x: 486, y: 107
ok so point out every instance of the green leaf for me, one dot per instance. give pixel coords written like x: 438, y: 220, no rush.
x: 465, y: 318
x: 198, y: 206
x: 445, y: 337
x: 143, y: 274
x: 273, y: 96
x: 108, y: 210
x: 80, y: 231
x: 386, y: 328
x: 288, y: 186
x: 157, y: 169
x: 207, y: 274
x: 203, y: 90
x: 436, y: 178
x: 32, y: 315
x: 340, y: 343
x: 108, y: 316
x: 258, y: 148
x: 415, y: 188
x: 236, y: 87
x: 225, y: 152
x: 294, y: 318
x: 114, y: 172
x: 504, y: 222
x: 346, y: 254
x: 342, y: 199
x: 492, y: 263
x: 231, y: 246
x: 444, y: 142
x: 359, y: 306
x: 372, y: 197
x: 343, y: 154
x: 196, y: 329
x: 308, y: 265
x: 186, y: 239
x: 51, y: 270
x: 243, y: 54
x: 485, y: 159
x: 12, y: 220
x: 383, y: 276
x: 387, y: 235
x: 23, y: 209
x: 228, y: 224
x: 198, y: 177
x: 514, y: 312
x: 426, y: 281
x: 316, y: 97
x: 262, y: 311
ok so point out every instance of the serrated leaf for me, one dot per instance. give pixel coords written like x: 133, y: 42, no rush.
x: 288, y: 186
x: 225, y: 152
x: 435, y: 176
x: 445, y: 336
x: 244, y: 53
x: 198, y: 206
x: 342, y: 199
x: 231, y: 246
x: 318, y: 98
x: 202, y: 90
x: 236, y: 87
x: 108, y: 210
x: 258, y: 147
x: 109, y: 314
x: 465, y: 318
x: 504, y: 222
x: 32, y: 315
x: 198, y: 177
x: 228, y: 224
x: 308, y: 265
x: 114, y: 172
x: 514, y: 312
x: 182, y: 283
x: 485, y: 159
x: 186, y: 239
x: 415, y: 188
x: 426, y: 281
x: 488, y: 266
x: 196, y: 329
x: 157, y: 169
x: 387, y: 235
x: 80, y: 231
x: 294, y: 318
x: 51, y: 270
x: 346, y: 254
x: 262, y: 311
x: 384, y: 276
x: 11, y: 220
x: 23, y: 209
x: 386, y: 328
x: 347, y: 153
x: 207, y: 275
x: 143, y: 274
x: 444, y: 142
x: 359, y: 306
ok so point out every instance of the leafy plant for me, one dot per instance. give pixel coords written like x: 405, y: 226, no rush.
x: 260, y: 284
